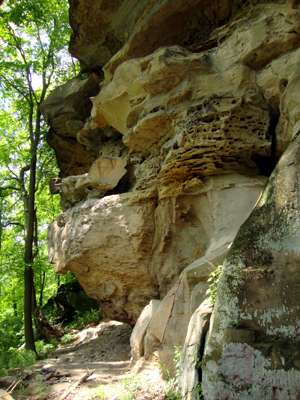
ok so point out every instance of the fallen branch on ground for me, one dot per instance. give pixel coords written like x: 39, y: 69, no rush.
x: 13, y: 386
x: 76, y: 384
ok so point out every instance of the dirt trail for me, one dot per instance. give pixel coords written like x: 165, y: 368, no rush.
x: 95, y: 366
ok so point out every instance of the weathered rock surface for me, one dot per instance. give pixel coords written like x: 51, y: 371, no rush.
x: 139, y: 331
x: 101, y: 28
x: 195, y: 225
x: 107, y: 244
x: 205, y: 122
x: 168, y: 326
x: 201, y: 98
x: 66, y: 109
x: 192, y: 351
x: 253, y: 347
x: 103, y: 175
x: 112, y: 243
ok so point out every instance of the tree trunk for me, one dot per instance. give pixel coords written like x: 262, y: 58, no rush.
x: 28, y: 305
x: 29, y: 291
x: 43, y: 283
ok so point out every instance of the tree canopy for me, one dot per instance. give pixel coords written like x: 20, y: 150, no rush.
x: 33, y: 59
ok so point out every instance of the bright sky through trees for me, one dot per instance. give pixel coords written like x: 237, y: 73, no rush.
x: 34, y: 37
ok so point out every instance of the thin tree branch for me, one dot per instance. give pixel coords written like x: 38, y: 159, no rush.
x: 12, y: 223
x: 14, y: 175
x: 22, y: 178
x: 10, y: 83
x: 13, y: 188
x: 16, y: 39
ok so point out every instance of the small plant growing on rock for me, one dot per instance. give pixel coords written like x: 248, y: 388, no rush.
x: 126, y: 396
x: 213, y: 281
x: 198, y: 392
x: 164, y: 372
x: 173, y: 387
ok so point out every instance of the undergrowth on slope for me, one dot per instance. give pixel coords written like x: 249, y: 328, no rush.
x: 21, y: 358
x: 173, y: 385
x: 67, y: 338
x: 173, y: 390
x: 86, y: 318
x: 15, y: 358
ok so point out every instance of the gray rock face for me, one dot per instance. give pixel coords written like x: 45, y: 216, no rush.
x: 253, y: 348
x: 137, y: 338
x: 168, y: 325
x: 192, y: 352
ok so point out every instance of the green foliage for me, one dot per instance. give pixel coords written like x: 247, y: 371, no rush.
x: 100, y: 393
x: 34, y: 37
x: 213, y: 281
x: 15, y: 358
x: 85, y: 318
x: 38, y: 389
x: 172, y: 392
x: 126, y: 396
x: 33, y: 59
x: 19, y: 358
x: 132, y: 385
x: 67, y: 338
x: 44, y: 348
x: 198, y: 362
x: 198, y: 392
x: 164, y: 372
x: 173, y: 388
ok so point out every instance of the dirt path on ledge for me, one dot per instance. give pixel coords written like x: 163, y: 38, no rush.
x: 95, y: 366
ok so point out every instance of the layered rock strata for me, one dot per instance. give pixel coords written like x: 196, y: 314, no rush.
x: 165, y: 142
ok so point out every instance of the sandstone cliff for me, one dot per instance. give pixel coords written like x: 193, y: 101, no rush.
x: 167, y: 143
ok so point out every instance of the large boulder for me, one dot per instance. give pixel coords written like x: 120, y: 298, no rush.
x: 253, y: 346
x: 192, y: 352
x: 219, y: 211
x: 107, y: 244
x: 114, y: 242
